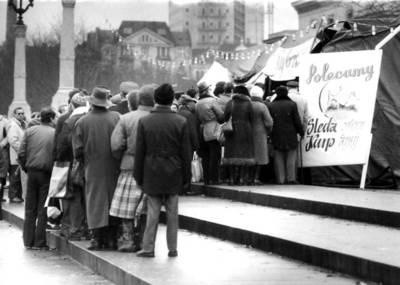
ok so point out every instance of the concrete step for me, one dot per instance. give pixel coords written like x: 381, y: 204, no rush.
x: 201, y: 260
x: 381, y: 207
x: 368, y: 251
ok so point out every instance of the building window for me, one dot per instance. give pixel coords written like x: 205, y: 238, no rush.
x: 211, y: 24
x: 204, y: 25
x: 219, y: 24
x: 227, y: 24
x: 227, y: 37
x: 187, y: 10
x: 211, y: 10
x: 203, y: 12
x: 187, y: 23
x: 203, y: 38
x: 211, y: 37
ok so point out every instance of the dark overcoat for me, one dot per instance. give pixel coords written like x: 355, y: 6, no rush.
x: 239, y: 146
x: 287, y: 124
x: 163, y: 152
x: 193, y: 126
x: 91, y: 144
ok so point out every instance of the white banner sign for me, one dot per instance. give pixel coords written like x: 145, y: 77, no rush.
x: 341, y: 91
x: 284, y: 62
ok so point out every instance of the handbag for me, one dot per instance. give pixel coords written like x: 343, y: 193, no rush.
x: 197, y: 169
x: 227, y: 127
x: 77, y: 175
x: 58, y: 180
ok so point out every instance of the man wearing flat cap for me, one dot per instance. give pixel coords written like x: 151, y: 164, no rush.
x: 162, y: 167
x: 125, y: 88
x: 92, y: 147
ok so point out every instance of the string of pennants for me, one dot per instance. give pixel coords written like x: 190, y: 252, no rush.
x: 211, y: 54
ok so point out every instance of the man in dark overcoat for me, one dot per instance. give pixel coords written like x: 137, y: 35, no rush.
x: 287, y: 125
x: 162, y: 167
x: 91, y: 145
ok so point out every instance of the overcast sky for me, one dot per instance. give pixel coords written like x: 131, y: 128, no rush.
x: 109, y: 13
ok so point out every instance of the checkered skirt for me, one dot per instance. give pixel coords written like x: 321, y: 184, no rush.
x: 126, y: 197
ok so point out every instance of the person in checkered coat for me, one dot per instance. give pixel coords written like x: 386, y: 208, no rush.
x: 127, y: 202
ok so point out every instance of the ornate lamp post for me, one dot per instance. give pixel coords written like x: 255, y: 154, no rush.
x: 20, y: 61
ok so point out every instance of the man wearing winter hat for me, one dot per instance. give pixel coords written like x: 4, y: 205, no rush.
x: 122, y: 106
x: 92, y: 147
x: 162, y: 167
x: 126, y: 200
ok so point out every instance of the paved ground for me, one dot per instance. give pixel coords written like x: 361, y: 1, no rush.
x: 205, y: 260
x: 19, y: 266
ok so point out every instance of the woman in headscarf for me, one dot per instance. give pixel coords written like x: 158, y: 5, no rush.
x: 239, y: 147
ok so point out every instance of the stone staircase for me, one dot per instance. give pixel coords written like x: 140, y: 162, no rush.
x: 264, y: 235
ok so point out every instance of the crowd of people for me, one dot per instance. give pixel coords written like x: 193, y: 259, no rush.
x: 129, y: 154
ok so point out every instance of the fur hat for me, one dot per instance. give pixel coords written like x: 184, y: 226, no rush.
x: 164, y: 94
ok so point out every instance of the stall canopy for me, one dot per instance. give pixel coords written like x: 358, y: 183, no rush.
x: 384, y: 162
x: 215, y: 74
x: 284, y: 58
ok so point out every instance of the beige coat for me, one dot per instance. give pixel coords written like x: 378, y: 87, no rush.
x: 15, y: 133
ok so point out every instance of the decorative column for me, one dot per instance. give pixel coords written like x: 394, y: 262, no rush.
x: 67, y: 55
x: 20, y: 72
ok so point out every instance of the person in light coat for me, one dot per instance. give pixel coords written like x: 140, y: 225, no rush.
x: 262, y: 126
x: 127, y: 202
x: 15, y: 133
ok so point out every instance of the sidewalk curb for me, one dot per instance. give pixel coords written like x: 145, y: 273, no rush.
x: 86, y: 258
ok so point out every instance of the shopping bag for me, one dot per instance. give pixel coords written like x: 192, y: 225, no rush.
x: 53, y: 208
x: 197, y: 169
x: 58, y: 181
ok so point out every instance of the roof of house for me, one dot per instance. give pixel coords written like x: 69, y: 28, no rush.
x: 160, y: 28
